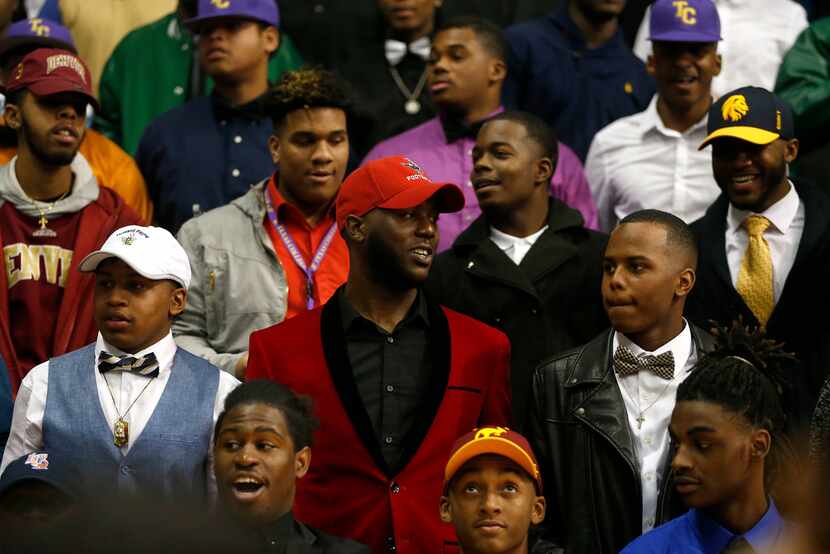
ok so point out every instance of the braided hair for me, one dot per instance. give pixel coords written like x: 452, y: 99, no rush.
x: 745, y: 374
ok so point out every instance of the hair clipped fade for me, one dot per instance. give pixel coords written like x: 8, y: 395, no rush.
x: 307, y: 88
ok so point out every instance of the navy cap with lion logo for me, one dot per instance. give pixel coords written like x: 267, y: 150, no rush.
x: 752, y: 114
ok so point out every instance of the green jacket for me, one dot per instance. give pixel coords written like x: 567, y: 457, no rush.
x: 804, y: 83
x: 149, y: 72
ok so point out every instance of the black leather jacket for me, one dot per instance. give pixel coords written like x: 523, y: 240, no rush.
x: 579, y: 430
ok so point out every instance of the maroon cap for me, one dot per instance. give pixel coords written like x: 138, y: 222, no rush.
x: 395, y: 183
x: 47, y: 71
x: 500, y: 441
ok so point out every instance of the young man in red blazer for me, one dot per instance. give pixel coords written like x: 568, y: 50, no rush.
x: 395, y: 378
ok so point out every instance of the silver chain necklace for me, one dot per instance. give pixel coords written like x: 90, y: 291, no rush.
x: 411, y: 106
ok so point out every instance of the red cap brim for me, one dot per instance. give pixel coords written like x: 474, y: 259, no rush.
x: 448, y: 197
x: 53, y: 85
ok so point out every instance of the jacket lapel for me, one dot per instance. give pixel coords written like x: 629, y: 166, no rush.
x: 340, y: 368
x: 552, y: 249
x: 602, y: 407
x: 713, y: 239
x: 92, y: 231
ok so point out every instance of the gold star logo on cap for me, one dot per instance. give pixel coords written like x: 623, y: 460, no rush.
x: 735, y: 108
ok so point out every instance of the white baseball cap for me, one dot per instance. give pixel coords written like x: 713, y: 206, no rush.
x: 152, y: 252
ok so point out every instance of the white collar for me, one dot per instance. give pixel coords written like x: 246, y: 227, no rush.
x: 505, y: 241
x: 165, y: 350
x: 680, y: 346
x: 781, y: 214
x: 653, y: 122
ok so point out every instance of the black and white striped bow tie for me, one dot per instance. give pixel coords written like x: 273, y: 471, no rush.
x: 626, y: 363
x: 147, y: 365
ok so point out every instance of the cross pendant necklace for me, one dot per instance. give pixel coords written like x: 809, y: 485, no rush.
x: 640, y: 419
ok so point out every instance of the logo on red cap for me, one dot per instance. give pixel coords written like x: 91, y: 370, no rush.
x: 65, y: 60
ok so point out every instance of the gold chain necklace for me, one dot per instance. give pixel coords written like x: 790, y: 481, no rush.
x: 45, y: 231
x: 121, y: 429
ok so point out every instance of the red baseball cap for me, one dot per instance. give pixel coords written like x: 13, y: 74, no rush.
x: 47, y: 71
x: 396, y: 183
x: 500, y: 441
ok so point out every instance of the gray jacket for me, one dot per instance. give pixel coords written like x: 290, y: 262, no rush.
x: 238, y: 284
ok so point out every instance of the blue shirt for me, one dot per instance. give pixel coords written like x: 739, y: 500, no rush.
x: 696, y: 533
x: 201, y: 155
x: 553, y: 74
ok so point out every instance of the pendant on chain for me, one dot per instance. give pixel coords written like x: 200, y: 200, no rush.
x: 412, y: 106
x: 121, y: 433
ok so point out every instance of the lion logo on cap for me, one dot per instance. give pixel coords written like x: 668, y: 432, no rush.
x: 735, y: 108
x: 39, y: 461
x: 487, y: 432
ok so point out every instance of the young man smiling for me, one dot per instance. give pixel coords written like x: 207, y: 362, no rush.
x: 274, y: 252
x: 527, y: 266
x: 465, y: 73
x: 600, y: 426
x: 205, y: 153
x: 767, y: 238
x: 133, y: 412
x: 52, y: 213
x: 651, y: 159
x: 262, y: 447
x: 492, y: 492
x: 396, y: 378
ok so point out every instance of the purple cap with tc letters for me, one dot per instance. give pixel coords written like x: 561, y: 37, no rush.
x: 265, y: 11
x: 37, y: 32
x: 684, y: 21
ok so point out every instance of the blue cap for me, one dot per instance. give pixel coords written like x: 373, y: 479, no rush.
x: 684, y: 21
x: 751, y: 114
x: 38, y: 33
x: 265, y: 11
x: 40, y: 466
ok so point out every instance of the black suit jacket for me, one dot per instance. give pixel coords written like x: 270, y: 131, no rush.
x: 798, y: 317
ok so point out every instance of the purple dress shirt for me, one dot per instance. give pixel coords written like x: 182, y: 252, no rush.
x: 453, y: 163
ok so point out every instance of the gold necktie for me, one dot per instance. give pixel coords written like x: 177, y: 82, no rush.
x: 755, y: 275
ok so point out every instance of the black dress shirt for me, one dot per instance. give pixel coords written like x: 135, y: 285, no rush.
x: 289, y: 536
x: 391, y: 371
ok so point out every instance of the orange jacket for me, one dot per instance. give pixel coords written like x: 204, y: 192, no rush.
x: 113, y: 168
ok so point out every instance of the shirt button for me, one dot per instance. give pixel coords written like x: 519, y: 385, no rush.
x: 237, y: 139
x: 235, y: 173
x: 319, y: 8
x: 647, y: 440
x: 388, y: 439
x: 469, y: 184
x: 185, y: 47
x: 580, y: 411
x: 396, y: 488
x: 273, y: 542
x: 390, y: 388
x: 649, y: 476
x: 125, y: 470
x: 178, y: 91
x: 534, y: 311
x: 390, y: 339
x: 223, y: 122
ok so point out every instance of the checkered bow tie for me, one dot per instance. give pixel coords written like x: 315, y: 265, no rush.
x: 147, y: 365
x: 626, y: 363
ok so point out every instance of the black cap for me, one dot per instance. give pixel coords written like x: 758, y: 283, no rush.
x: 40, y: 466
x: 752, y: 114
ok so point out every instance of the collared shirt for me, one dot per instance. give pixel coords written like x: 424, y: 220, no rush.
x: 452, y: 162
x: 637, y: 163
x: 578, y: 90
x: 333, y: 269
x: 122, y: 387
x: 756, y: 36
x: 202, y: 155
x: 651, y: 398
x: 391, y: 371
x: 695, y: 531
x: 783, y: 237
x: 516, y: 248
x: 277, y: 536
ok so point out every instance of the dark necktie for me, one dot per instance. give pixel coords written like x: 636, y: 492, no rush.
x: 626, y: 363
x: 147, y: 365
x: 739, y: 545
x: 455, y: 129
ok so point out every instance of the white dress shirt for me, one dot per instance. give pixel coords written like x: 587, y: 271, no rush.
x: 756, y: 35
x: 783, y: 237
x: 646, y: 394
x: 30, y: 406
x: 637, y: 162
x: 516, y: 248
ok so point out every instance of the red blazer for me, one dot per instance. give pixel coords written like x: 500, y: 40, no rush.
x: 348, y: 490
x: 76, y: 324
